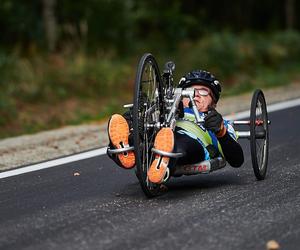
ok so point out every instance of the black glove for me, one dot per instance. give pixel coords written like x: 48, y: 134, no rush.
x: 214, y: 121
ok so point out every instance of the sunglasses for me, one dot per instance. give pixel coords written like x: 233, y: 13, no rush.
x: 202, y: 92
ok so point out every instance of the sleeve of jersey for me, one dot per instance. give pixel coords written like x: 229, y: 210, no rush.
x: 230, y: 130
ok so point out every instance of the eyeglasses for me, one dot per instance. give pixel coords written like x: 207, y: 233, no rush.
x: 202, y: 92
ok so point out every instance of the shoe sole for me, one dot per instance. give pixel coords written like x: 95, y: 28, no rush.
x: 118, y: 132
x: 164, y: 141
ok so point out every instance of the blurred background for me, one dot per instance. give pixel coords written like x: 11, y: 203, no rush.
x: 70, y: 62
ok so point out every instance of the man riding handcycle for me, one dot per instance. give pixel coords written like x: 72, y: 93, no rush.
x: 174, y: 131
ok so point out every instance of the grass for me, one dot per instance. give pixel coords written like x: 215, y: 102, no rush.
x: 40, y: 92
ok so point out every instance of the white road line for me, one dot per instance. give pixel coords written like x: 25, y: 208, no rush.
x: 239, y: 115
x: 53, y: 163
x: 102, y: 151
x: 271, y: 108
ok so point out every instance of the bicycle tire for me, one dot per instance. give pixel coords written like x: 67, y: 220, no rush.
x: 147, y: 114
x: 259, y: 134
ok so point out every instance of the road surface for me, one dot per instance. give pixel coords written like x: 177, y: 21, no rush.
x: 93, y: 204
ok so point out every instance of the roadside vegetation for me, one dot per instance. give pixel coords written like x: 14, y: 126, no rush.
x: 47, y: 91
x: 84, y: 76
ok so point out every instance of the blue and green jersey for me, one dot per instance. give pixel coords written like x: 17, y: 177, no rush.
x: 198, y: 132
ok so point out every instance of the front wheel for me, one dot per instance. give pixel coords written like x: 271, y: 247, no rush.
x: 147, y: 117
x: 259, y: 134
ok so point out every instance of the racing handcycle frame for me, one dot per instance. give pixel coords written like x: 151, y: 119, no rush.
x: 155, y: 105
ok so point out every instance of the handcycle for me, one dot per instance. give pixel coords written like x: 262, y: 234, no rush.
x: 155, y: 105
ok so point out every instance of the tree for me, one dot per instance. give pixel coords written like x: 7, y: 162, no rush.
x: 50, y: 23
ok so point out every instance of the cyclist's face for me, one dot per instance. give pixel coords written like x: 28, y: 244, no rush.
x: 203, y: 98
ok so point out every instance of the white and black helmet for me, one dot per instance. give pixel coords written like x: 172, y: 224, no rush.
x: 204, y: 78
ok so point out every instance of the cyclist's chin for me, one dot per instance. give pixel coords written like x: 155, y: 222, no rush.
x: 203, y: 110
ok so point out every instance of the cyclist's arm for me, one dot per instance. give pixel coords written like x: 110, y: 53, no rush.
x: 232, y: 150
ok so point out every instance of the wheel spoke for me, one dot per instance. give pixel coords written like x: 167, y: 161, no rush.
x: 258, y: 143
x: 259, y: 153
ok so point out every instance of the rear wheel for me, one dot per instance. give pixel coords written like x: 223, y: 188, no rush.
x: 259, y: 134
x: 147, y: 117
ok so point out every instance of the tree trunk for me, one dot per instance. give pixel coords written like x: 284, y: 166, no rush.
x: 50, y: 23
x: 289, y: 13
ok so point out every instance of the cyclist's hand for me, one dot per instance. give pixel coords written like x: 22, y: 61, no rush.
x: 214, y: 122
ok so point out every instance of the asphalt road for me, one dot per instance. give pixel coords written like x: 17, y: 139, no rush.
x: 93, y: 204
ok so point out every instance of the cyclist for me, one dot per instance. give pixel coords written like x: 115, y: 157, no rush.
x: 216, y: 137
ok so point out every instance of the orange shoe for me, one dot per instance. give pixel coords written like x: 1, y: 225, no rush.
x: 118, y: 132
x: 164, y: 141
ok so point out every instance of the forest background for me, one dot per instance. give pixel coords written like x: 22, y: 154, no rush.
x: 71, y: 62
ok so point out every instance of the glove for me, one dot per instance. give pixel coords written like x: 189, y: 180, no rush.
x: 214, y: 122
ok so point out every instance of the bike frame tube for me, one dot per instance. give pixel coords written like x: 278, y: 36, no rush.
x: 243, y: 134
x: 245, y: 122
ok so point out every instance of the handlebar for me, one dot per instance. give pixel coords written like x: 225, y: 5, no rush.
x: 180, y: 93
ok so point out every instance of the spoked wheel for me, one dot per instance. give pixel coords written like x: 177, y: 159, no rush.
x: 259, y: 134
x: 147, y: 117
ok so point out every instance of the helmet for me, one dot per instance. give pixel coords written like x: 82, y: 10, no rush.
x: 204, y: 78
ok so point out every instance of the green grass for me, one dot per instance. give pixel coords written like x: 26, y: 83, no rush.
x: 48, y: 91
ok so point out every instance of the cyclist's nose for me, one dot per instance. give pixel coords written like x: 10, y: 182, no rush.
x: 197, y: 97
